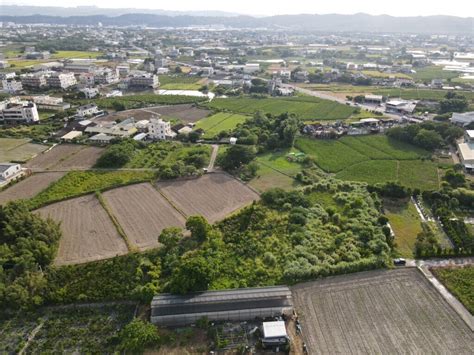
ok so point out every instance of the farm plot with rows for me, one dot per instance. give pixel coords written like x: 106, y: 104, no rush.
x: 373, y: 159
x: 143, y: 213
x: 88, y: 233
x: 18, y: 150
x: 379, y: 312
x: 83, y: 159
x: 213, y: 196
x: 221, y: 121
x: 186, y: 113
x: 29, y: 187
x: 54, y: 156
x: 304, y: 107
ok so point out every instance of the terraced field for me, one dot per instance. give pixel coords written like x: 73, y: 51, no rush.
x: 54, y: 156
x: 379, y: 312
x: 307, y: 108
x: 83, y: 159
x: 373, y: 159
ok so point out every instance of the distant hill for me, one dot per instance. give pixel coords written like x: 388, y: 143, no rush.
x: 326, y: 23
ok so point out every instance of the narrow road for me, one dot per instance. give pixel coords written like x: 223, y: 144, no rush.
x: 215, y: 149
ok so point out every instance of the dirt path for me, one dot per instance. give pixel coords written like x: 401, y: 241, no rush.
x: 215, y: 149
x: 31, y: 337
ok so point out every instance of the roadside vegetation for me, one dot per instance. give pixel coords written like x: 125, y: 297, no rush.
x: 460, y: 282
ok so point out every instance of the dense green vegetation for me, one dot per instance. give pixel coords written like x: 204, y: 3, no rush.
x: 304, y: 107
x: 77, y: 183
x: 28, y: 245
x: 428, y: 135
x: 143, y: 100
x: 170, y: 159
x: 460, y: 282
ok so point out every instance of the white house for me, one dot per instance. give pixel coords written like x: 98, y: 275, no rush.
x: 9, y: 172
x: 12, y: 86
x: 90, y: 93
x: 87, y: 110
x: 17, y: 111
x: 159, y: 129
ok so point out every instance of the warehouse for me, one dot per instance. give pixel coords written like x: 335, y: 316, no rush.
x: 227, y: 305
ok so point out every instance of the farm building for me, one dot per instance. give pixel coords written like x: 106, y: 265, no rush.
x: 227, y: 305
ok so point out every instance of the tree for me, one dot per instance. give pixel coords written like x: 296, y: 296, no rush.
x: 117, y: 155
x: 198, y: 227
x: 455, y: 179
x: 428, y: 139
x: 137, y: 335
x: 453, y: 102
x: 193, y: 273
x: 236, y: 156
x: 170, y: 237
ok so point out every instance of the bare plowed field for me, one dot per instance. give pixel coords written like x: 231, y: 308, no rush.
x: 29, y: 187
x: 379, y: 312
x: 49, y: 159
x: 83, y: 159
x: 143, y: 213
x: 88, y: 232
x: 213, y: 196
x: 18, y: 150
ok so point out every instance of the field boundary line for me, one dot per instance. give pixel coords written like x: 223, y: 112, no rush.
x: 31, y: 337
x: 179, y: 210
x: 115, y: 221
x: 453, y: 302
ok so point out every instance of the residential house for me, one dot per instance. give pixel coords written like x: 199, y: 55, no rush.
x: 12, y: 86
x: 87, y: 110
x: 160, y: 130
x: 9, y: 172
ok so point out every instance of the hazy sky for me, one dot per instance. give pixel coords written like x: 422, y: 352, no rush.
x: 464, y: 8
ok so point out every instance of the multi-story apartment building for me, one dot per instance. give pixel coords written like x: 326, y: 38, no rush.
x: 12, y: 86
x: 159, y: 129
x: 34, y: 81
x: 17, y: 111
x: 144, y: 81
x: 61, y: 80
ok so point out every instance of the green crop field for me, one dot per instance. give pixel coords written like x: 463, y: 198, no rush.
x: 460, y: 282
x: 179, y: 82
x: 406, y: 224
x: 75, y: 54
x: 433, y: 72
x: 221, y: 121
x: 275, y: 170
x: 373, y: 159
x: 302, y: 106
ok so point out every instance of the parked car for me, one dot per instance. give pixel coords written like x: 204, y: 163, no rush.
x: 399, y: 262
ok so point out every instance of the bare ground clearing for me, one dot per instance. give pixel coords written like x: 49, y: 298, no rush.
x: 53, y: 156
x: 143, y: 213
x: 29, y: 187
x: 88, y: 232
x: 83, y: 159
x: 379, y: 312
x: 213, y: 196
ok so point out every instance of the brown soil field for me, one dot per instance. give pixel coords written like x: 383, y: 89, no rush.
x: 29, y: 187
x: 379, y: 312
x: 143, y: 213
x: 88, y: 232
x: 83, y: 159
x: 213, y: 196
x: 186, y: 112
x: 49, y: 159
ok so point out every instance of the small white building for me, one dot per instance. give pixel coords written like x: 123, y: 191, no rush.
x: 87, y: 110
x: 71, y: 136
x: 9, y: 172
x: 274, y: 334
x: 160, y: 130
x: 90, y: 93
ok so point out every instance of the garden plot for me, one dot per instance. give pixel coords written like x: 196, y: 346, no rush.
x: 143, y: 213
x: 83, y: 159
x: 213, y: 196
x: 52, y: 157
x: 88, y: 234
x: 29, y: 187
x: 379, y: 312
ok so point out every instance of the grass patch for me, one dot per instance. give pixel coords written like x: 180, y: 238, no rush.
x: 460, y: 282
x: 405, y: 223
x: 221, y: 121
x: 304, y: 107
x: 76, y: 183
x: 143, y: 100
x: 433, y: 72
x: 76, y: 55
